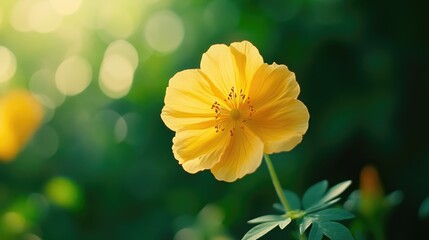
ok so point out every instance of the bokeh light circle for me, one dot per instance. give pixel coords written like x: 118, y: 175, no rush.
x: 19, y: 15
x: 164, y: 31
x: 65, y: 7
x: 7, y: 64
x: 117, y: 69
x: 64, y: 192
x: 124, y: 48
x: 116, y: 76
x: 121, y: 129
x: 14, y: 221
x: 73, y: 75
x: 42, y: 18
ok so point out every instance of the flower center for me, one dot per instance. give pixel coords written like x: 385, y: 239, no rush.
x: 235, y: 114
x: 235, y: 107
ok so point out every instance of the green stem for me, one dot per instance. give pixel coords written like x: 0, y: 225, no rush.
x: 276, y: 183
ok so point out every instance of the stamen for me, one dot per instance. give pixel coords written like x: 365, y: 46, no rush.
x: 238, y: 110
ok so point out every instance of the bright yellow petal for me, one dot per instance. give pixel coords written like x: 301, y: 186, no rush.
x: 242, y: 156
x: 218, y: 64
x: 20, y: 116
x: 272, y: 82
x: 8, y: 144
x: 280, y: 125
x: 188, y: 101
x: 247, y: 60
x: 197, y: 150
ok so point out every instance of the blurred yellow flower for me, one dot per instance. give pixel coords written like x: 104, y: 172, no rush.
x: 232, y: 110
x: 20, y: 116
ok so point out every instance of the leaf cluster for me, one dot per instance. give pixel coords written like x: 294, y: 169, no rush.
x: 314, y: 209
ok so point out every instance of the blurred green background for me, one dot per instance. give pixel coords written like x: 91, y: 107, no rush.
x: 101, y: 166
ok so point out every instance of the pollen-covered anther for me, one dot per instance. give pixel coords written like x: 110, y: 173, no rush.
x: 219, y: 127
x: 217, y: 109
x: 233, y: 94
x: 231, y: 132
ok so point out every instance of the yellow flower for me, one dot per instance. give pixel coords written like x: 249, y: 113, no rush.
x: 20, y: 116
x: 232, y: 110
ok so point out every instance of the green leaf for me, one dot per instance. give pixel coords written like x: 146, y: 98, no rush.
x: 353, y: 201
x: 305, y: 223
x: 424, y: 208
x: 279, y: 207
x: 267, y: 218
x: 321, y: 205
x: 332, y: 214
x: 394, y: 198
x: 292, y: 199
x: 335, y: 231
x: 284, y: 223
x: 336, y: 190
x: 260, y: 230
x: 315, y: 233
x: 314, y: 194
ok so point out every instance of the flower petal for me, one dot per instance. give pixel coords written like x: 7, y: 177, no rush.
x: 242, y: 156
x: 217, y: 63
x: 8, y: 143
x: 197, y: 150
x: 247, y: 60
x: 20, y: 116
x: 280, y: 125
x: 188, y: 101
x: 272, y: 82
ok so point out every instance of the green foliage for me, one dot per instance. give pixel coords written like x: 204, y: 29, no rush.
x: 327, y: 198
x: 372, y: 211
x: 314, y: 213
x: 314, y: 193
x: 424, y: 208
x: 292, y: 199
x: 332, y: 230
x: 268, y: 223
